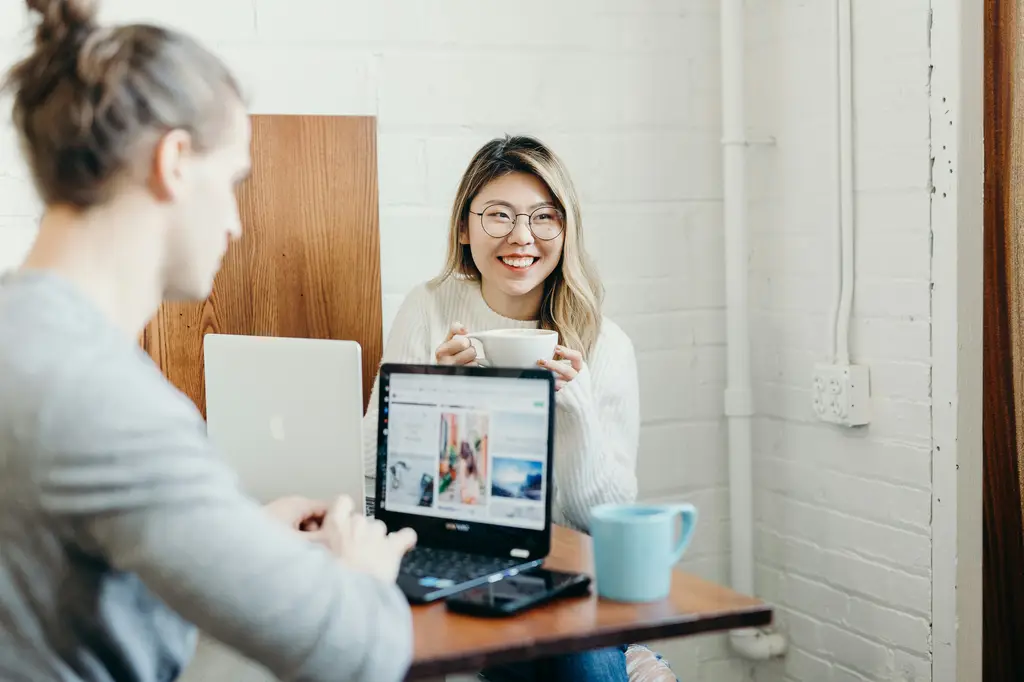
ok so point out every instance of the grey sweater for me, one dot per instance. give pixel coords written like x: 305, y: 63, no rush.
x: 120, y: 526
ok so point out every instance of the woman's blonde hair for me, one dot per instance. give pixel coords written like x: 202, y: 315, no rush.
x: 572, y: 292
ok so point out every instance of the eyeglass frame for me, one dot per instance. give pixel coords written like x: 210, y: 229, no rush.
x: 515, y: 221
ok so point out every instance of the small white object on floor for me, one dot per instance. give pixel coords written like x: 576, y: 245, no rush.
x: 643, y: 665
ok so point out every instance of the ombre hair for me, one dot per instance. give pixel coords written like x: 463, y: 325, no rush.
x: 572, y: 292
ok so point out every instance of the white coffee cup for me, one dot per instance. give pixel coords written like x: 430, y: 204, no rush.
x: 516, y: 347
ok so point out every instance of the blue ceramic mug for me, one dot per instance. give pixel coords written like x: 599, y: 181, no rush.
x: 636, y: 546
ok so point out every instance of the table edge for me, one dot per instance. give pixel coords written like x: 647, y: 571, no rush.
x: 755, y: 616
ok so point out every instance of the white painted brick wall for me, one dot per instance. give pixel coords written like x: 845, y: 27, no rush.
x: 843, y: 518
x: 620, y: 89
x: 627, y: 92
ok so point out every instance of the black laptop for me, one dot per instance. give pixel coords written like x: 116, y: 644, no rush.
x: 464, y: 457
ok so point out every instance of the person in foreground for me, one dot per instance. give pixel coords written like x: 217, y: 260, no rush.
x: 516, y: 259
x: 120, y: 527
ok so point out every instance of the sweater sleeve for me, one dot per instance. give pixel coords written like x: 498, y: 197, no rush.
x: 597, y: 431
x: 129, y: 472
x: 408, y: 341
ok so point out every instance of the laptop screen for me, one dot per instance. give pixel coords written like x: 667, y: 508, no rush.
x: 467, y: 448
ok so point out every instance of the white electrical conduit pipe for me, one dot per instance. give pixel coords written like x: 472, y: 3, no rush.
x: 841, y: 313
x: 751, y: 643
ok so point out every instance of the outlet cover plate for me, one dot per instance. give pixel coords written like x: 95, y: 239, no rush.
x: 841, y: 394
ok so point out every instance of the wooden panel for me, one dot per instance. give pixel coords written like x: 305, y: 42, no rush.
x: 308, y: 264
x: 1003, y: 560
x: 1013, y: 200
x: 450, y: 643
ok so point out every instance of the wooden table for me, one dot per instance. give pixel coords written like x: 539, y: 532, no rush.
x: 448, y: 643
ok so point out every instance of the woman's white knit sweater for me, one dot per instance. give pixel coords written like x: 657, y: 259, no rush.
x: 598, y: 419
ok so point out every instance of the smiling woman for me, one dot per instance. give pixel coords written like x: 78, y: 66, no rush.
x: 516, y: 265
x: 516, y: 228
x: 516, y: 260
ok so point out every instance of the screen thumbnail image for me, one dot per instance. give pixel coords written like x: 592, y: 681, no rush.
x: 518, y: 479
x: 462, y: 458
x: 411, y: 481
x: 517, y: 513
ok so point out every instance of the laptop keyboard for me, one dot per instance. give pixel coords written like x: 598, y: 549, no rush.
x: 427, y: 562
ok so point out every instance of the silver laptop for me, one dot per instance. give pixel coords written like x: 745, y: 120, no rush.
x: 287, y: 414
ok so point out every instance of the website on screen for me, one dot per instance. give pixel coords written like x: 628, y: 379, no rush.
x: 467, y: 448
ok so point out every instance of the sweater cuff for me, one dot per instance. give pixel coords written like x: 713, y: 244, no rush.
x: 576, y: 394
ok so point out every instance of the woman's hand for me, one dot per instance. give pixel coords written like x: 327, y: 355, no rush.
x: 297, y: 512
x: 564, y: 372
x: 456, y: 349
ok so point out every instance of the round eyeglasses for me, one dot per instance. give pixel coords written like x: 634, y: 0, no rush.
x: 498, y: 220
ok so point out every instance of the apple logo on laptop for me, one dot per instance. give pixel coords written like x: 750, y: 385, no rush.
x: 277, y: 428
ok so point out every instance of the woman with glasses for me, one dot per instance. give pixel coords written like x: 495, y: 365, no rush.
x: 516, y: 259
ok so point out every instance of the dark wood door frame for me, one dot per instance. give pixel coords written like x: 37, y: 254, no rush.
x: 1003, y: 560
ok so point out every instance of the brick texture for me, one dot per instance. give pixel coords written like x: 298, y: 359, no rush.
x: 628, y: 93
x: 843, y: 518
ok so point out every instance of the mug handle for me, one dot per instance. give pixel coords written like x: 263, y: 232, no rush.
x: 475, y: 336
x: 688, y: 514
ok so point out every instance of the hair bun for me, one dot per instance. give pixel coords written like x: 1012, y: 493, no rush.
x: 61, y: 20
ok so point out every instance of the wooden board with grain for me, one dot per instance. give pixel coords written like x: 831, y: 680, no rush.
x: 308, y: 264
x: 1003, y: 376
x: 448, y: 643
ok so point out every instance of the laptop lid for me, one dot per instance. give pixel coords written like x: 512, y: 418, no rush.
x: 287, y: 414
x: 465, y: 457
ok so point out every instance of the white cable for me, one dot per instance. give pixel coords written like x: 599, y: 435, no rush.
x: 839, y: 342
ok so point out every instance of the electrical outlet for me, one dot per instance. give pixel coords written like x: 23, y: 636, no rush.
x: 841, y: 394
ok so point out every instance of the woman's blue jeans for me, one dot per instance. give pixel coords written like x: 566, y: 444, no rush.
x: 600, y: 665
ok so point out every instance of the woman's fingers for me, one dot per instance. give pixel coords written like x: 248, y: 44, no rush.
x: 574, y: 357
x: 562, y: 371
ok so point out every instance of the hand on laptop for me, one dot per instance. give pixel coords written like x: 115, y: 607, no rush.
x: 364, y: 544
x: 300, y: 513
x: 456, y: 349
